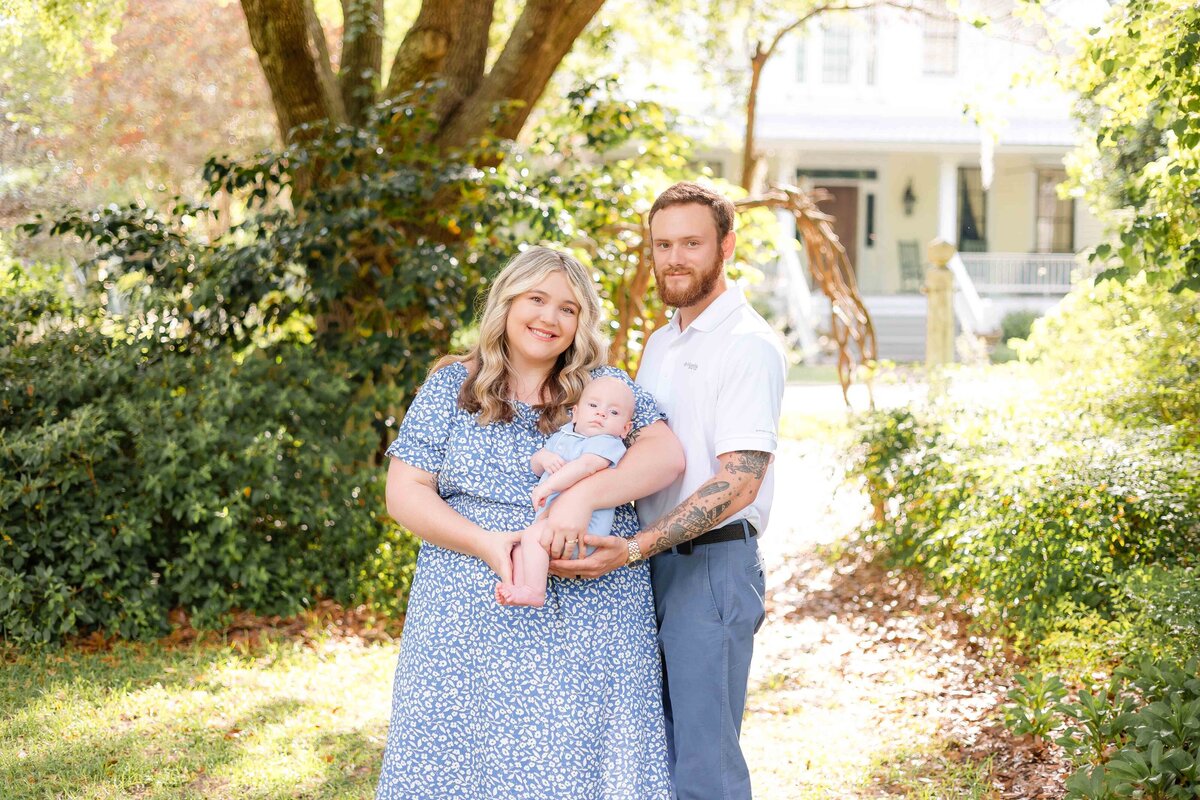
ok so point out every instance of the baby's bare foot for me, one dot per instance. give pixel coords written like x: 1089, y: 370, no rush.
x: 509, y: 594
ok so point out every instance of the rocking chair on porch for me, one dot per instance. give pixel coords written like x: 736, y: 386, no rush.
x: 911, y: 275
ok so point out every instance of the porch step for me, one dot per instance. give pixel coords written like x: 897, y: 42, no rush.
x: 899, y: 326
x: 899, y: 322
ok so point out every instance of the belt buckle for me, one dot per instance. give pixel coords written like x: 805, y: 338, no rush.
x: 685, y: 548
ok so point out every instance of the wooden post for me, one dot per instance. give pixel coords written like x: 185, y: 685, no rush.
x: 939, y: 292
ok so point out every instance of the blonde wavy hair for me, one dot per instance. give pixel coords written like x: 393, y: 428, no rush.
x: 487, y: 389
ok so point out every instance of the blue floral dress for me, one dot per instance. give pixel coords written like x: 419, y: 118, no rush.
x: 498, y: 703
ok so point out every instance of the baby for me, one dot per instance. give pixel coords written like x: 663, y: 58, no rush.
x: 592, y: 441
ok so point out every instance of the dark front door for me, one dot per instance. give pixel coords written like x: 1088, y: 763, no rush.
x: 843, y: 206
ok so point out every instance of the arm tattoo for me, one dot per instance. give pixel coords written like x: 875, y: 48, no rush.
x: 710, y: 504
x: 752, y: 462
x: 712, y: 487
x: 686, y: 522
x: 633, y: 436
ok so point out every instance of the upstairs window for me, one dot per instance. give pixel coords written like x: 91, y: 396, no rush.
x: 801, y: 61
x: 940, y: 43
x: 835, y: 54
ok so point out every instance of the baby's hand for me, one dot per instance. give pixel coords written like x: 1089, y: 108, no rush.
x: 544, y: 461
x: 540, y: 493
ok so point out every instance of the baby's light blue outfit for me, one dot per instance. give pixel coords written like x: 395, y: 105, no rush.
x: 569, y: 445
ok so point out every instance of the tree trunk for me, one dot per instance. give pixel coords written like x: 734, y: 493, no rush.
x: 362, y: 56
x: 757, y: 61
x: 425, y: 45
x: 448, y: 42
x: 280, y: 35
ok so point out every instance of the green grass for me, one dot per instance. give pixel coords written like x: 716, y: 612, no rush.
x: 285, y: 720
x: 933, y: 772
x: 812, y: 373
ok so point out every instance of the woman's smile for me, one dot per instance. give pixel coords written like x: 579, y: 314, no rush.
x: 542, y: 322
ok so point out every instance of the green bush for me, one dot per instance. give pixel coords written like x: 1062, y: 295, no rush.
x: 1125, y: 353
x: 1039, y: 537
x: 1017, y: 324
x: 134, y: 482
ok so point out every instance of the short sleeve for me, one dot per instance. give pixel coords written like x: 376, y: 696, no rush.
x: 421, y: 441
x: 605, y: 446
x: 750, y: 398
x: 645, y: 407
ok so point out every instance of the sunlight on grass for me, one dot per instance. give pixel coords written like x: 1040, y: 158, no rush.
x: 202, y: 722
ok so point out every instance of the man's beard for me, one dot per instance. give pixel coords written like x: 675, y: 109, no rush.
x: 695, y: 291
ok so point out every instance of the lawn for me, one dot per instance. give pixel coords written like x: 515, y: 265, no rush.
x: 286, y: 718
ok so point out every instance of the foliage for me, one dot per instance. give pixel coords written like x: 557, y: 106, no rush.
x: 1034, y: 703
x: 1039, y: 538
x: 1126, y: 353
x: 1138, y: 81
x: 1138, y: 737
x: 1017, y: 324
x: 137, y: 478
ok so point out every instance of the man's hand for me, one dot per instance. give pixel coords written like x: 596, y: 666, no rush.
x: 567, y: 522
x: 611, y: 553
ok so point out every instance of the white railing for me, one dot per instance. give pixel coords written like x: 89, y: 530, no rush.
x: 1020, y: 273
x: 972, y: 312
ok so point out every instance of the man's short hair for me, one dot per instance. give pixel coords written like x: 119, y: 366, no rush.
x: 686, y: 192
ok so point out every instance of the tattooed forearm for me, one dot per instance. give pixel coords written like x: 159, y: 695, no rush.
x: 633, y: 436
x: 686, y: 522
x: 718, y: 498
x: 751, y: 462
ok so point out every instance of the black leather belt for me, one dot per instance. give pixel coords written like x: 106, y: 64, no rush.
x: 738, y: 529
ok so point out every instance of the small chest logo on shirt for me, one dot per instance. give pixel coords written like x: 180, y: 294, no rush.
x: 691, y: 365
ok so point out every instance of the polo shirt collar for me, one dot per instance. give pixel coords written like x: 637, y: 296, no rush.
x: 726, y: 303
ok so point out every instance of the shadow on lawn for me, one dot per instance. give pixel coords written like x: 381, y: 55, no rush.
x: 32, y: 676
x: 166, y: 762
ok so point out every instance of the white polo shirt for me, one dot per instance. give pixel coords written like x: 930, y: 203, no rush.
x: 720, y: 382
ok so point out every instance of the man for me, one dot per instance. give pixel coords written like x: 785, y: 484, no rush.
x: 717, y: 370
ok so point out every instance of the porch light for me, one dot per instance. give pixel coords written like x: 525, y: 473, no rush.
x: 909, y: 199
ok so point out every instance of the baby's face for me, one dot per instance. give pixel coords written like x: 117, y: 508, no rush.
x: 606, y: 406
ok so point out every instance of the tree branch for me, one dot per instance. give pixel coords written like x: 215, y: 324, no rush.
x: 425, y: 45
x: 362, y: 56
x: 462, y: 71
x: 279, y: 33
x: 543, y: 35
x: 319, y: 48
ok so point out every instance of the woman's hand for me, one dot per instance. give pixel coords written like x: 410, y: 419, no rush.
x: 495, y: 549
x: 566, y: 523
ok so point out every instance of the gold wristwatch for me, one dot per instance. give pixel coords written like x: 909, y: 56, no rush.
x: 635, y: 551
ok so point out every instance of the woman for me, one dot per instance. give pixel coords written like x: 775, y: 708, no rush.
x: 493, y: 702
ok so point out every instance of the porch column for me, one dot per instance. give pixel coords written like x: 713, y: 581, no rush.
x: 947, y: 229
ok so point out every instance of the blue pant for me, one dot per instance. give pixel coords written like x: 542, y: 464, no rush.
x: 709, y: 605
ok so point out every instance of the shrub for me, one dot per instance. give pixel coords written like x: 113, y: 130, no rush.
x: 1038, y: 538
x: 134, y: 480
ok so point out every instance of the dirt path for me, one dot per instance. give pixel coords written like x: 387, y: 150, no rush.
x: 861, y: 687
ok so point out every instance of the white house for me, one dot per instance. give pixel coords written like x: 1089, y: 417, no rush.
x: 912, y: 123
